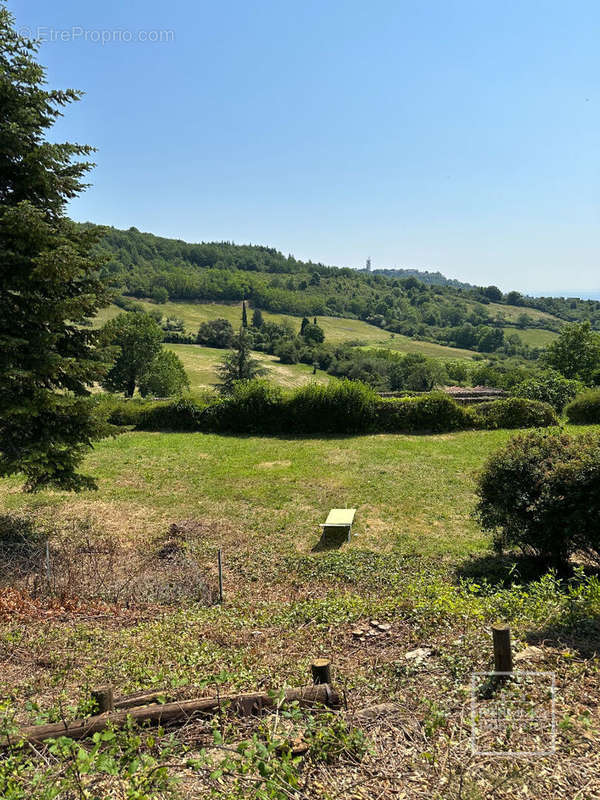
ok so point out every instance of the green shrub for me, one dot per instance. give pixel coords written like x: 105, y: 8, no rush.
x: 337, y: 407
x: 253, y: 407
x: 434, y: 413
x: 185, y: 414
x: 515, y: 412
x: 585, y: 409
x: 125, y: 411
x: 541, y: 493
x: 550, y: 388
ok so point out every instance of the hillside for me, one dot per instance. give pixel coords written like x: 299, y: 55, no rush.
x: 144, y: 265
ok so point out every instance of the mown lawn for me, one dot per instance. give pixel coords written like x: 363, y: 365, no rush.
x: 413, y: 493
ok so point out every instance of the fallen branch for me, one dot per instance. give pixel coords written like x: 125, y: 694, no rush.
x: 244, y: 704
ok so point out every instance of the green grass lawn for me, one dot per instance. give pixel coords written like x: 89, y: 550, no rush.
x: 413, y: 493
x: 534, y: 337
x: 512, y: 313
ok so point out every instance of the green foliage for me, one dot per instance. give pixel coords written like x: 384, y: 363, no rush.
x: 184, y: 415
x: 123, y: 411
x: 49, y: 286
x: 585, y: 409
x: 550, y: 387
x: 431, y: 413
x: 330, y: 738
x: 541, y: 493
x: 159, y: 294
x: 515, y: 412
x: 165, y: 376
x: 417, y: 373
x: 112, y: 757
x: 138, y: 338
x: 337, y: 407
x: 239, y: 365
x: 216, y: 333
x: 313, y: 333
x: 252, y: 406
x: 257, y: 318
x: 576, y: 352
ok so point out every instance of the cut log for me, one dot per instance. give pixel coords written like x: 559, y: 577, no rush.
x: 245, y: 704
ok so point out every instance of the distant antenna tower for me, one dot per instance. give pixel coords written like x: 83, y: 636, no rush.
x: 369, y: 264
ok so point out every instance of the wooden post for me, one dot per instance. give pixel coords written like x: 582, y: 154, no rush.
x: 220, y: 562
x: 502, y: 651
x: 48, y: 570
x: 104, y: 699
x: 321, y: 670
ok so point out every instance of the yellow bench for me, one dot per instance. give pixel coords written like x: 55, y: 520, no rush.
x: 340, y: 518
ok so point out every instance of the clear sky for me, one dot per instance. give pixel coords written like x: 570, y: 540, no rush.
x: 459, y: 135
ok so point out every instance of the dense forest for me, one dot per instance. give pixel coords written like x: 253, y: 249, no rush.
x: 144, y: 265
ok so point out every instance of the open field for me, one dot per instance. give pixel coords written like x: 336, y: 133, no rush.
x: 133, y: 606
x: 278, y: 489
x: 337, y: 329
x: 512, y: 313
x: 200, y: 363
x: 534, y: 337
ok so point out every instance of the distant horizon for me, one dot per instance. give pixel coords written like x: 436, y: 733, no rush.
x: 583, y: 294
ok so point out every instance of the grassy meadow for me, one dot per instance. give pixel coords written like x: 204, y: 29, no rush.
x: 276, y: 491
x: 336, y: 329
x: 200, y: 365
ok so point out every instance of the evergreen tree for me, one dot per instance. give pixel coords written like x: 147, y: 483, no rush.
x: 257, y: 318
x: 244, y: 315
x: 49, y: 284
x: 303, y: 325
x: 239, y: 365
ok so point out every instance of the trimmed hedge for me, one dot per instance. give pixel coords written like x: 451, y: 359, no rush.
x: 515, y: 412
x: 432, y: 413
x: 339, y: 407
x: 184, y: 415
x: 122, y: 412
x: 585, y: 409
x: 336, y: 407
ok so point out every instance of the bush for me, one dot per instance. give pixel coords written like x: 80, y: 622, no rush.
x: 337, y: 407
x: 253, y: 407
x: 216, y: 333
x: 435, y: 413
x: 515, y: 412
x: 181, y: 415
x: 585, y: 409
x: 550, y: 388
x: 165, y: 377
x: 120, y: 411
x: 541, y: 493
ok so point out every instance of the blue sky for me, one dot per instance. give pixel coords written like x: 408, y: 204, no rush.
x: 459, y: 136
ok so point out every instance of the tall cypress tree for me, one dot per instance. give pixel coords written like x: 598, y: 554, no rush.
x: 244, y: 315
x: 50, y: 283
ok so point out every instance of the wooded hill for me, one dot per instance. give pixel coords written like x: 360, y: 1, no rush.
x: 144, y: 265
